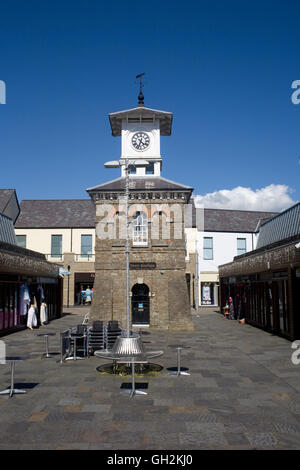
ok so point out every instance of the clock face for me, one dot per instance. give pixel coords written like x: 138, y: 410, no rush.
x: 140, y: 140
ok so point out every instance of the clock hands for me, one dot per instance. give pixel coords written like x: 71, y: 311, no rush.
x: 140, y: 141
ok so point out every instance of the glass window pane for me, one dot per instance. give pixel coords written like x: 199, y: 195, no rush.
x: 56, y: 245
x: 21, y: 240
x: 207, y: 248
x: 241, y: 246
x: 86, y: 244
x: 207, y: 242
x: 207, y: 253
x: 140, y: 228
x: 131, y: 170
x: 150, y: 169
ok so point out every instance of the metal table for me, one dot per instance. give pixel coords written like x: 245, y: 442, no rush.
x: 132, y: 360
x: 115, y: 357
x: 47, y: 354
x: 11, y: 391
x: 75, y: 357
x: 178, y: 371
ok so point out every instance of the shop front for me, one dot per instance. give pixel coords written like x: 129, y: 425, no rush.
x: 82, y: 281
x: 26, y: 276
x: 209, y: 289
x: 269, y: 297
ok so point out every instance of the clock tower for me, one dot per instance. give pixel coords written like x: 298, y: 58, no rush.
x: 158, y: 288
x: 140, y: 130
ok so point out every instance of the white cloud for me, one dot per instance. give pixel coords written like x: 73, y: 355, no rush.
x: 273, y: 198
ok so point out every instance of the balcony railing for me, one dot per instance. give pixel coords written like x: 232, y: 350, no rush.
x: 54, y: 257
x: 80, y: 257
x: 83, y: 257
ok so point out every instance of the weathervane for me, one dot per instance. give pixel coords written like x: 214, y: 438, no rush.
x: 141, y: 96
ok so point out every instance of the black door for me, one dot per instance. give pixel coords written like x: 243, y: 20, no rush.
x: 140, y: 305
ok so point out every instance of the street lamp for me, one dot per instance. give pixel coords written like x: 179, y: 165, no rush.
x: 118, y: 164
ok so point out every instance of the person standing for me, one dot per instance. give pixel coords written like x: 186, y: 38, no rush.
x: 31, y: 318
x: 82, y: 296
x: 44, y: 313
x: 88, y: 294
x: 231, y: 309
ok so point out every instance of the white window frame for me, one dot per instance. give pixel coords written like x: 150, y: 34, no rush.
x: 241, y: 251
x: 211, y: 248
x: 140, y: 229
x: 25, y: 238
x: 90, y: 251
x: 56, y: 255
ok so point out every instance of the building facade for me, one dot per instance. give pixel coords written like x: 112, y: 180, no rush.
x: 214, y: 237
x: 64, y: 231
x: 265, y: 283
x: 22, y: 269
x: 158, y: 288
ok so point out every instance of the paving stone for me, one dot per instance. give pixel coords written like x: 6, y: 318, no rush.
x: 205, y: 427
x: 261, y: 439
x: 205, y: 438
x: 242, y: 394
x: 96, y: 408
x: 237, y: 439
x: 60, y: 416
x: 69, y: 401
x: 287, y: 428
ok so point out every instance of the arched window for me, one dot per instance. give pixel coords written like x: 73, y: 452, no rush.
x: 140, y: 229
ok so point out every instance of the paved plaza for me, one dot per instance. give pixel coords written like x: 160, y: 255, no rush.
x: 243, y: 393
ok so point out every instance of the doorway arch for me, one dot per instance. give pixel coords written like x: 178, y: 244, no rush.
x: 140, y: 305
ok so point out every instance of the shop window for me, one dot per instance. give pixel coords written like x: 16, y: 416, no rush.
x: 56, y: 246
x: 86, y: 245
x: 207, y: 293
x: 208, y: 248
x: 21, y: 241
x: 241, y: 246
x: 140, y: 229
x: 282, y: 306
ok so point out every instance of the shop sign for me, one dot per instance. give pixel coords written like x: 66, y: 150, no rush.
x: 142, y: 265
x: 64, y: 272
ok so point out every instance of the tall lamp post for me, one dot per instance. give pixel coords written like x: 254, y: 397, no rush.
x: 119, y: 164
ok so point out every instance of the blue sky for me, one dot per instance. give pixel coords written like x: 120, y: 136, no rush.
x: 224, y: 68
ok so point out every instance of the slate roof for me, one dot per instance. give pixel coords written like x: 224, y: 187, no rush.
x: 165, y: 118
x: 5, y: 196
x: 281, y: 227
x: 220, y: 220
x: 228, y: 220
x: 154, y: 183
x: 66, y: 213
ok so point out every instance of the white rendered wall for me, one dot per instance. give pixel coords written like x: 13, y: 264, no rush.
x: 191, y: 240
x: 152, y: 129
x: 224, y: 248
x: 39, y: 239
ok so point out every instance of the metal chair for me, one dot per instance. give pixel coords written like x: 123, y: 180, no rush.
x: 81, y: 343
x: 65, y: 345
x: 95, y: 338
x: 112, y: 332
